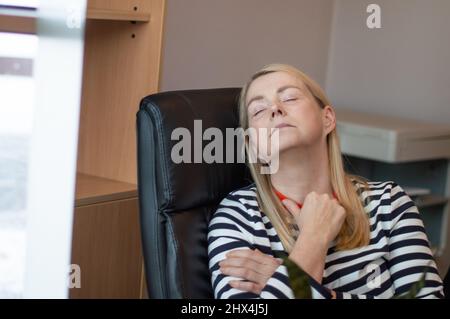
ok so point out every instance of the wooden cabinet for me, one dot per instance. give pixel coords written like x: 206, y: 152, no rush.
x: 121, y: 65
x: 107, y: 241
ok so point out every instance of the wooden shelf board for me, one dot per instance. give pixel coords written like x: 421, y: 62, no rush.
x: 18, y: 21
x: 101, y: 14
x: 10, y: 22
x: 93, y: 189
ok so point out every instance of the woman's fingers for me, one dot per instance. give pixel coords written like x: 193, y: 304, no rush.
x: 245, y: 273
x: 240, y: 262
x: 246, y: 286
x: 262, y: 268
x: 321, y: 216
x: 254, y: 267
x: 254, y: 255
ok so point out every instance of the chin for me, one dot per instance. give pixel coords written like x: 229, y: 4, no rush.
x: 288, y: 143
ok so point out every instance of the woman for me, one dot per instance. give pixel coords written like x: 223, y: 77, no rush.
x: 354, y: 239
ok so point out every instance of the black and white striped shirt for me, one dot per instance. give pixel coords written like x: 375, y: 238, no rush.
x: 398, y: 250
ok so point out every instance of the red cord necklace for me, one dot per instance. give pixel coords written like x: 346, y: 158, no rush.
x: 282, y: 197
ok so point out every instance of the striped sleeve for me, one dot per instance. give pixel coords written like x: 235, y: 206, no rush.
x: 231, y: 228
x: 410, y: 255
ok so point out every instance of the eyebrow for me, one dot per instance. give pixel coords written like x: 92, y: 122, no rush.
x: 280, y: 89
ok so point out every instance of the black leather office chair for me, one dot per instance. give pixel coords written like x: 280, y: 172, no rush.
x: 177, y: 200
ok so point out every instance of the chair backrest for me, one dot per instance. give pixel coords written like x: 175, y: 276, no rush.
x: 177, y: 200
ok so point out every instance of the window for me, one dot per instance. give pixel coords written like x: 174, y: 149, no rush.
x: 40, y: 85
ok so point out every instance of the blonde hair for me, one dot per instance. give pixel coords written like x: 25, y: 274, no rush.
x: 355, y: 230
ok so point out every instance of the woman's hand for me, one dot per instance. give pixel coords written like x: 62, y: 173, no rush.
x: 254, y: 267
x: 320, y: 218
x: 319, y: 221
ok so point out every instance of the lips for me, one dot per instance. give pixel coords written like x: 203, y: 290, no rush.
x: 281, y: 125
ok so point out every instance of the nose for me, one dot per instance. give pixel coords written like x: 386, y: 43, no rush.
x: 277, y: 109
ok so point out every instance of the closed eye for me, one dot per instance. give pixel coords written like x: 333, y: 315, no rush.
x: 257, y: 112
x: 258, y: 109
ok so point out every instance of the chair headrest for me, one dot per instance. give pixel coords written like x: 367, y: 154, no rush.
x: 176, y: 182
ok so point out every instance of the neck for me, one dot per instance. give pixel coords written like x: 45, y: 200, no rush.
x: 302, y: 171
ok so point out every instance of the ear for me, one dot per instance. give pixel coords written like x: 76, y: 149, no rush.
x: 329, y: 119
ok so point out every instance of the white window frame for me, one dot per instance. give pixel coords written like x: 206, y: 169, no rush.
x: 52, y: 161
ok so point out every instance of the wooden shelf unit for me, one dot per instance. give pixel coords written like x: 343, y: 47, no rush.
x: 123, y: 40
x: 25, y: 21
x: 94, y: 190
x: 106, y: 239
x: 122, y: 62
x: 121, y: 65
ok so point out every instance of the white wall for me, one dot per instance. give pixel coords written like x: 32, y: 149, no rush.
x: 401, y: 69
x: 218, y: 43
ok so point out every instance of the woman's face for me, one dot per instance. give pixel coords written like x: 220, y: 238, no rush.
x: 280, y: 100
